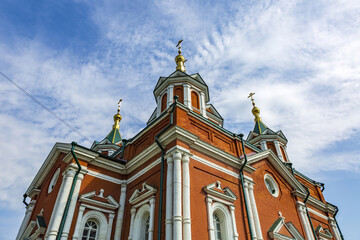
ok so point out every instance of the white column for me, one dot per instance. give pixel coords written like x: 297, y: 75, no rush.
x: 169, y: 199
x: 78, y: 223
x: 58, y: 211
x: 109, y: 228
x: 158, y: 109
x: 187, y: 95
x: 29, y: 209
x: 304, y: 219
x: 334, y: 229
x: 70, y: 215
x: 120, y: 215
x: 186, y: 197
x: 263, y: 145
x: 131, y: 233
x: 177, y: 217
x: 152, y: 215
x: 170, y: 95
x: 210, y: 218
x: 202, y: 104
x: 232, y: 212
x: 246, y: 185
x: 255, y: 212
x: 278, y: 150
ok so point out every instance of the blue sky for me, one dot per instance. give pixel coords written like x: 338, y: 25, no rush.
x: 79, y: 57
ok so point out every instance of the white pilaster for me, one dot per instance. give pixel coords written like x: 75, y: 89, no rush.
x: 251, y: 217
x: 263, y: 145
x: 29, y: 209
x: 170, y: 95
x: 255, y: 212
x: 334, y: 229
x: 187, y: 95
x: 70, y: 215
x: 186, y: 197
x: 78, y: 223
x: 169, y: 199
x: 58, y: 211
x: 131, y: 233
x: 120, y: 215
x: 177, y: 217
x: 152, y: 214
x: 278, y: 150
x: 202, y: 104
x: 210, y: 219
x: 158, y: 109
x: 305, y: 220
x: 232, y: 212
x: 109, y: 228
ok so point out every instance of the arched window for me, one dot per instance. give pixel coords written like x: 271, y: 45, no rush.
x: 164, y: 102
x: 90, y: 231
x: 217, y: 227
x: 180, y: 93
x: 147, y: 225
x: 195, y: 102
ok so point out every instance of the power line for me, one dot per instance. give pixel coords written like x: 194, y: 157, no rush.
x: 44, y: 107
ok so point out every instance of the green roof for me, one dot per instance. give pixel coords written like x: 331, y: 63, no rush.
x: 114, y: 136
x: 260, y: 127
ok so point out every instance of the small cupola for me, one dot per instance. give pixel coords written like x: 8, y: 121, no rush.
x: 113, y: 140
x: 264, y: 138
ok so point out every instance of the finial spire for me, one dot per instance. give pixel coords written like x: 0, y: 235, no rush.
x: 255, y: 111
x: 180, y: 59
x: 117, y: 116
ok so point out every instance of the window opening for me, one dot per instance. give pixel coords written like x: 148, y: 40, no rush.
x: 164, y: 102
x: 217, y: 225
x: 195, y: 100
x: 90, y: 231
x: 147, y: 224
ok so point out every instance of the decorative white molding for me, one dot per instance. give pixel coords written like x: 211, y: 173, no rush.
x: 146, y: 191
x: 225, y: 193
x: 144, y: 170
x: 105, y: 177
x: 120, y: 216
x: 111, y: 202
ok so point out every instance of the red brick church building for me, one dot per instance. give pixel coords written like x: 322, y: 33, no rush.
x: 183, y: 176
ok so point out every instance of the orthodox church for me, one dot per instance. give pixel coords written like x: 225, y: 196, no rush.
x: 183, y: 176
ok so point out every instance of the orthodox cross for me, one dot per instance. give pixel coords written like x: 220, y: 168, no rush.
x: 251, y: 98
x: 179, y: 44
x: 119, y: 103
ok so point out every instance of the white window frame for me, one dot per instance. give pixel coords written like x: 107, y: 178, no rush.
x: 272, y: 182
x: 100, y: 219
x: 221, y: 203
x: 54, y: 180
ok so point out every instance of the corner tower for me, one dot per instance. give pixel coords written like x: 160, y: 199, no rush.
x: 264, y: 138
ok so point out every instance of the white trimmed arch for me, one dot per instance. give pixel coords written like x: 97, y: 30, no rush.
x: 100, y: 219
x: 224, y: 215
x: 140, y: 221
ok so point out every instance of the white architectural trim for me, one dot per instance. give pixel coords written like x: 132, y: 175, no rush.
x: 105, y: 177
x: 28, y: 212
x: 145, y: 192
x: 70, y: 215
x: 111, y: 203
x: 120, y: 216
x: 305, y: 221
x: 100, y: 219
x: 169, y: 198
x: 186, y: 197
x: 144, y: 170
x: 177, y: 213
x: 60, y: 203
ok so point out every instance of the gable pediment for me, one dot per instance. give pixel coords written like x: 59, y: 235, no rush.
x: 140, y: 194
x: 323, y: 233
x: 215, y: 190
x: 268, y: 134
x: 284, y: 231
x: 99, y: 200
x: 279, y: 166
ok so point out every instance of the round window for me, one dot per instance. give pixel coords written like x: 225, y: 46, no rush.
x: 271, y: 185
x: 54, y: 180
